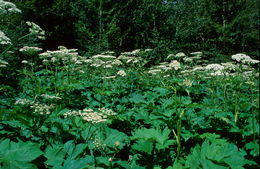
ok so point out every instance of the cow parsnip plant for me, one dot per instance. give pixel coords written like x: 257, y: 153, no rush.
x: 73, y: 112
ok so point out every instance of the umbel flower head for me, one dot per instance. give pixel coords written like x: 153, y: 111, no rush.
x: 30, y: 50
x: 4, y: 40
x: 36, y: 29
x: 63, y: 55
x: 3, y: 63
x: 121, y: 73
x: 244, y: 59
x: 90, y: 115
x: 8, y: 7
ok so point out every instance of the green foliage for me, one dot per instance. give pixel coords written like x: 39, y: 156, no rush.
x: 215, y: 154
x: 18, y: 155
x: 65, y: 111
x: 148, y: 137
x: 67, y: 156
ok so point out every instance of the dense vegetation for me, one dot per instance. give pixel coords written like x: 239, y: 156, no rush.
x: 160, y: 106
x: 219, y: 27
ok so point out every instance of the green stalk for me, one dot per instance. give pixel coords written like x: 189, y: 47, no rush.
x: 253, y: 115
x: 10, y: 46
x: 212, y: 97
x: 253, y: 122
x: 178, y: 135
x: 236, y: 113
x: 176, y: 101
x: 68, y: 71
x: 55, y: 76
x: 225, y: 98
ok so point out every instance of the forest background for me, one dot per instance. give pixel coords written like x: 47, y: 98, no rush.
x: 218, y: 28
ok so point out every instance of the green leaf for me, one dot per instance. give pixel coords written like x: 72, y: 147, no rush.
x: 146, y: 147
x: 137, y: 98
x: 67, y: 155
x: 210, y: 165
x: 76, y: 164
x: 161, y: 138
x: 113, y: 136
x: 18, y: 155
x: 218, y: 154
x: 55, y: 155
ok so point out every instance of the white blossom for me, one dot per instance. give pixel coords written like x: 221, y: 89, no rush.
x: 30, y: 50
x: 4, y: 40
x: 196, y: 53
x: 180, y: 55
x: 8, y: 7
x: 214, y: 67
x: 175, y: 64
x: 25, y: 62
x: 36, y: 29
x: 154, y: 71
x: 109, y: 77
x: 121, y: 73
x: 245, y: 59
x: 103, y: 57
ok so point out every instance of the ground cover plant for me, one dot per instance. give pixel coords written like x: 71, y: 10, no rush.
x: 112, y: 110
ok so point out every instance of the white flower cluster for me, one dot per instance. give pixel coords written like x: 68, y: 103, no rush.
x: 4, y: 40
x: 105, y: 61
x: 25, y: 62
x: 3, y: 63
x: 121, y: 73
x: 36, y: 29
x: 42, y: 108
x: 196, y: 53
x: 154, y: 71
x: 8, y: 7
x: 175, y: 64
x: 165, y: 66
x: 63, y: 55
x: 229, y: 66
x: 170, y: 57
x: 25, y: 102
x: 180, y: 55
x: 108, y: 53
x: 106, y: 111
x: 109, y: 77
x: 29, y: 50
x: 148, y: 50
x: 187, y: 82
x: 244, y: 59
x: 134, y: 52
x: 103, y: 57
x: 46, y: 96
x: 214, y: 67
x: 98, y: 143
x: 90, y: 115
x: 188, y: 60
x: 130, y: 60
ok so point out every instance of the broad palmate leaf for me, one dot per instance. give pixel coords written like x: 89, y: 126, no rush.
x: 18, y: 155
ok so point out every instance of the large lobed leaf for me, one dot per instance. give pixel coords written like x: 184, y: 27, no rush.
x: 18, y: 155
x: 215, y: 155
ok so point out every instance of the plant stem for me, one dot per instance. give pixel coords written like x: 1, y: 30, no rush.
x: 253, y: 122
x: 253, y: 115
x: 225, y: 98
x: 55, y: 76
x: 236, y: 113
x: 212, y: 97
x: 11, y: 45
